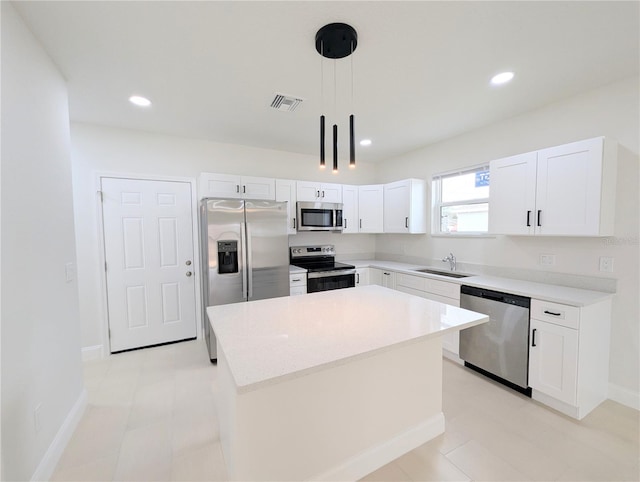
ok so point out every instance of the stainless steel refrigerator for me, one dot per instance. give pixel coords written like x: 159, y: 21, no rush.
x: 245, y: 254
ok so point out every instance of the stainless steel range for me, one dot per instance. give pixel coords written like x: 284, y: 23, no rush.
x: 323, y: 272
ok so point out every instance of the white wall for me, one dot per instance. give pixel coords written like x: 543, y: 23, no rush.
x: 611, y: 111
x: 97, y: 149
x: 41, y: 362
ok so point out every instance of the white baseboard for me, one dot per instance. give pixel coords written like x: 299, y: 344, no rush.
x: 91, y: 353
x: 47, y: 465
x: 624, y: 396
x: 372, y: 459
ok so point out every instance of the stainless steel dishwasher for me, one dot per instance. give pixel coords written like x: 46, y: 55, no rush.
x: 499, y: 348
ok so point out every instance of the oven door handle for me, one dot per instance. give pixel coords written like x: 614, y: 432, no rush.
x: 325, y: 274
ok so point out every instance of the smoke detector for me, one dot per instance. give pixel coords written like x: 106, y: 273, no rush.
x: 285, y: 103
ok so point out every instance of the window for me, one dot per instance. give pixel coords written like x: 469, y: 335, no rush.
x: 461, y: 202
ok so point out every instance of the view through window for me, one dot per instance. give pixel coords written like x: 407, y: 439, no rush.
x: 461, y: 201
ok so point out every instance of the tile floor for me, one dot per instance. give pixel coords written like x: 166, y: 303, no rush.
x: 151, y: 416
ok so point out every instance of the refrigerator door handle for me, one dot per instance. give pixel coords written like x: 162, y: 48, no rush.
x: 244, y: 247
x: 249, y: 267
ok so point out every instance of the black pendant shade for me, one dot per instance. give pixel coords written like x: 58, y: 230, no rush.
x: 335, y: 148
x: 322, y: 142
x: 336, y: 41
x: 352, y: 147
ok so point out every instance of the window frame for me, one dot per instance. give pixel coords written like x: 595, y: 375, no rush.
x: 437, y: 204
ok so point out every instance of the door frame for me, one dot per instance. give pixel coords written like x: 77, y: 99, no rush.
x: 104, y: 315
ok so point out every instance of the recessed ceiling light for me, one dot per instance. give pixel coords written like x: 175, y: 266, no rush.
x: 365, y: 142
x: 502, y: 78
x: 140, y: 101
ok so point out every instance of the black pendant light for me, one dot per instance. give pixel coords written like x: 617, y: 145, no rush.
x: 321, y: 142
x: 336, y: 41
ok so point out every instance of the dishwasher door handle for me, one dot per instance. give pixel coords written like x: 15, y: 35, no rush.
x: 493, y: 297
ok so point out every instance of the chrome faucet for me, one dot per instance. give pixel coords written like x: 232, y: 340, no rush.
x: 452, y: 261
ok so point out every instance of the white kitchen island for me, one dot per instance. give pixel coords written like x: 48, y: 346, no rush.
x: 330, y: 385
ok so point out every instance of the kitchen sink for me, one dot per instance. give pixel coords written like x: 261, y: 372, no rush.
x: 450, y: 274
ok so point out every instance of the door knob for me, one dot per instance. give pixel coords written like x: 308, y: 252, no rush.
x: 188, y: 263
x: 188, y: 273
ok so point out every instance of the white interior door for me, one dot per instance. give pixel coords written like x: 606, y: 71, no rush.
x: 148, y: 239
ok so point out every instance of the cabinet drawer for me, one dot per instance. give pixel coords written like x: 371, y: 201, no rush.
x: 562, y: 315
x: 298, y: 290
x: 450, y: 290
x: 298, y: 279
x: 410, y: 281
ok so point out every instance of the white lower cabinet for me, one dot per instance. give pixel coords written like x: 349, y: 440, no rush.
x: 553, y: 360
x: 297, y: 284
x: 569, y: 355
x: 362, y: 276
x: 436, y: 290
x: 382, y: 277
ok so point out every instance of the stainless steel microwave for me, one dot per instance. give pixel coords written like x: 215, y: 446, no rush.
x: 319, y: 216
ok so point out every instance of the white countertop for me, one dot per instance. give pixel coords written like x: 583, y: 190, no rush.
x: 268, y: 341
x: 541, y: 291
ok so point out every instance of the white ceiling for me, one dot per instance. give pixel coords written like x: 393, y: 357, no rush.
x: 421, y: 69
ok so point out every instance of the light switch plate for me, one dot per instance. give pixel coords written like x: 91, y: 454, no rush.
x: 606, y: 264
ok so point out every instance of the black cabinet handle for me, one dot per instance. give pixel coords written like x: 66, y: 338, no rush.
x: 244, y: 189
x: 406, y: 222
x: 357, y: 278
x: 528, y: 218
x: 361, y: 224
x: 237, y: 188
x: 533, y: 337
x: 539, y: 211
x: 345, y: 223
x: 322, y: 193
x: 294, y: 223
x: 317, y: 193
x: 551, y: 313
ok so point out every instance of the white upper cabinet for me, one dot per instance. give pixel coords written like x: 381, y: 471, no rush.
x: 405, y: 206
x: 286, y: 191
x: 370, y: 208
x: 349, y: 209
x: 237, y: 187
x: 575, y: 194
x: 513, y: 194
x: 319, y: 192
x: 567, y: 190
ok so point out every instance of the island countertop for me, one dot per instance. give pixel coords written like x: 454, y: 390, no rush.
x: 269, y: 341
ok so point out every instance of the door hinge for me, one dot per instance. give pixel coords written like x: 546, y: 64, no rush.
x: 100, y: 194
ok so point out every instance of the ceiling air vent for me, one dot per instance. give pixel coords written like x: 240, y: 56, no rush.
x: 285, y: 103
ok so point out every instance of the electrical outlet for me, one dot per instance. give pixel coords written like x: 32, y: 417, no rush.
x: 606, y: 264
x: 69, y: 272
x: 37, y: 423
x: 547, y: 259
